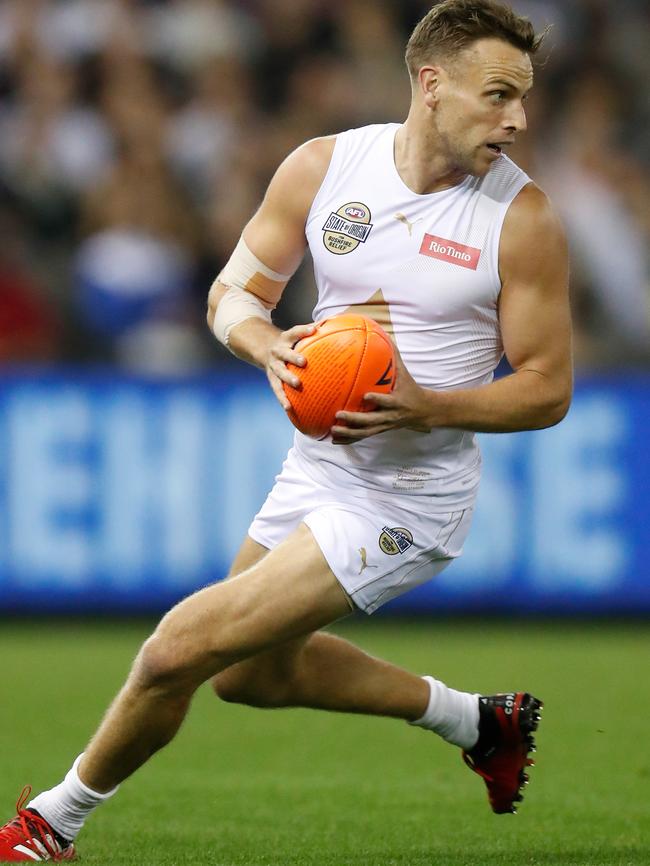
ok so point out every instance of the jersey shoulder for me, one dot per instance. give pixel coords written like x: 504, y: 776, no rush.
x: 504, y: 181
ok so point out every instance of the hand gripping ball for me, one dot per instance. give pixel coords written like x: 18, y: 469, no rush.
x: 347, y: 356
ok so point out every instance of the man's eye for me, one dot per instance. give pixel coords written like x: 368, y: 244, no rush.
x: 497, y: 95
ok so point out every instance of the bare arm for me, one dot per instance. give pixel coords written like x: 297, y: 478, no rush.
x: 536, y: 331
x: 276, y: 236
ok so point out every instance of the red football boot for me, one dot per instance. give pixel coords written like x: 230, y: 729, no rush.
x: 506, y: 725
x: 28, y: 837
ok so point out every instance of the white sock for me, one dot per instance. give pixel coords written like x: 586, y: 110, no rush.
x: 451, y: 714
x: 67, y: 805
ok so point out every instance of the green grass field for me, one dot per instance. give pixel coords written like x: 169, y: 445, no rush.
x: 243, y: 786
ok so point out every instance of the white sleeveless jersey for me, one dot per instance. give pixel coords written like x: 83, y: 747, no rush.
x: 426, y: 268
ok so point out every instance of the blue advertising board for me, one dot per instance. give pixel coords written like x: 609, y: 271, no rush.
x: 125, y: 494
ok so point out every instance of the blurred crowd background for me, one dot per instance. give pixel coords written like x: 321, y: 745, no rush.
x: 137, y: 138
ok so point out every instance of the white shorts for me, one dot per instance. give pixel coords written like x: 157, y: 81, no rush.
x: 378, y: 547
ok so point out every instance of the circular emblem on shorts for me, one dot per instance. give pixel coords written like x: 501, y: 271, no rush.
x: 347, y: 228
x: 395, y: 540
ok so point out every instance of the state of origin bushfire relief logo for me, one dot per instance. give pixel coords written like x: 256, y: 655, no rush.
x: 347, y: 228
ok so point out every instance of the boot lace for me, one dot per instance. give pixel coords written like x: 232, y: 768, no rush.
x: 29, y: 827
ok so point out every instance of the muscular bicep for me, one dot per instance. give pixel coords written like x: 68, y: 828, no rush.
x: 534, y: 310
x: 275, y: 235
x: 276, y: 238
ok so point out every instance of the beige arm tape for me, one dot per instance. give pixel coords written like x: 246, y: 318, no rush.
x: 253, y: 291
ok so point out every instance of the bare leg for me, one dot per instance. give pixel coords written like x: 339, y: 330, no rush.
x: 320, y: 671
x: 324, y: 672
x: 290, y: 593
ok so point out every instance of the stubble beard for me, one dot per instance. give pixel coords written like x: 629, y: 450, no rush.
x: 461, y: 159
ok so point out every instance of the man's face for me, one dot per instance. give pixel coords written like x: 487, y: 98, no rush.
x: 479, y: 103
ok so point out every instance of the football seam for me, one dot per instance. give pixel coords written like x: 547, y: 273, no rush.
x: 356, y: 377
x: 337, y: 331
x: 329, y: 334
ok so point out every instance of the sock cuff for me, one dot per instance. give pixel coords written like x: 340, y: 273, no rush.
x: 73, y: 775
x: 451, y: 714
x: 423, y: 720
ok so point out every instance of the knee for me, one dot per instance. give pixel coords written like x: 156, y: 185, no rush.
x: 166, y: 664
x: 157, y: 665
x: 180, y: 652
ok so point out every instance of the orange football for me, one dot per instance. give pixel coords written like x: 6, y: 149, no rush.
x: 346, y: 356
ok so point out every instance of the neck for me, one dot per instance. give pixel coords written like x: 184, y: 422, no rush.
x: 420, y: 159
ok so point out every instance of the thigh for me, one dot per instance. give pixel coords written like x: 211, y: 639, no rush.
x: 271, y: 664
x: 249, y: 554
x: 287, y: 594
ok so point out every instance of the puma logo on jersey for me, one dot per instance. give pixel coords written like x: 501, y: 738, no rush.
x: 400, y: 217
x: 450, y: 251
x: 364, y: 560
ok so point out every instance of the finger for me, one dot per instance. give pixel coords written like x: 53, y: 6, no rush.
x: 284, y: 374
x: 361, y: 419
x: 348, y: 435
x: 299, y: 331
x: 385, y: 401
x: 278, y: 390
x: 289, y: 355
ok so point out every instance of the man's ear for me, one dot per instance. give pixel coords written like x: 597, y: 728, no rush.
x: 429, y: 79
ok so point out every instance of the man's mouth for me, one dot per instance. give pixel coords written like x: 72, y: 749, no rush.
x: 497, y: 146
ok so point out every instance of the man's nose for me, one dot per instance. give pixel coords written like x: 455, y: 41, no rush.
x: 516, y: 118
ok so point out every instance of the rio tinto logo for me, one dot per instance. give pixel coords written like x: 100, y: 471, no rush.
x: 450, y: 251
